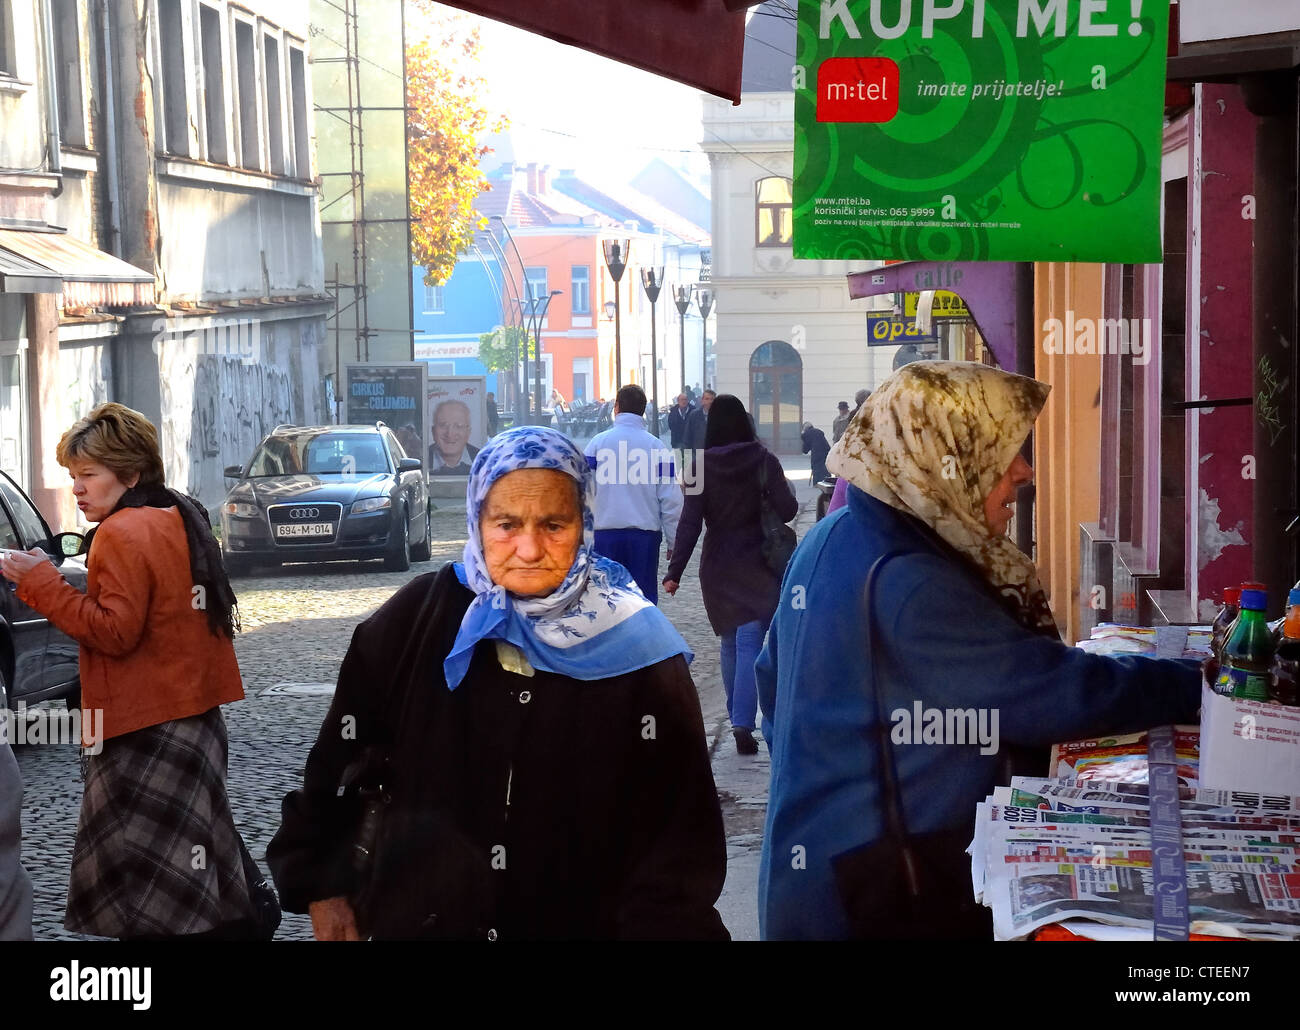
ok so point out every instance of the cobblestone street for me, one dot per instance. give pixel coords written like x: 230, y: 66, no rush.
x: 297, y: 624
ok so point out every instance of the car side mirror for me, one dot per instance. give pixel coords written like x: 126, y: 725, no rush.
x: 69, y: 545
x: 234, y: 471
x: 410, y: 465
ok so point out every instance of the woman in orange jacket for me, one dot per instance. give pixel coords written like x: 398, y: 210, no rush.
x: 157, y: 853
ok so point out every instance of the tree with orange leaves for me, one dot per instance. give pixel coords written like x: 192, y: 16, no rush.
x: 443, y: 128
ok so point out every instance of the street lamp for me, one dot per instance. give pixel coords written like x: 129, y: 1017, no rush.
x: 704, y: 299
x: 682, y: 298
x: 653, y: 281
x: 539, y: 306
x: 521, y: 398
x: 616, y: 254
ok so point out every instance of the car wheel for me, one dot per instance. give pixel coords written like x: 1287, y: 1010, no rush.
x: 399, y: 552
x: 423, y: 551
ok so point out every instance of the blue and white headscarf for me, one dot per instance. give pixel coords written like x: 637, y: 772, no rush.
x: 596, y: 623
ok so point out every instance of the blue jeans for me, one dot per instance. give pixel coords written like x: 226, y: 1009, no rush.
x: 740, y: 648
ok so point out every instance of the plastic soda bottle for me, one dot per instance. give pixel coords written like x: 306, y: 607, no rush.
x: 1285, y: 687
x: 1246, y: 664
x: 1224, y: 620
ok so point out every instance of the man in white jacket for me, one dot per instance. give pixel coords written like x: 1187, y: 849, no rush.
x: 638, y: 501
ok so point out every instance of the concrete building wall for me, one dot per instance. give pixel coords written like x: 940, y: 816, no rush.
x: 762, y: 292
x: 377, y: 155
x: 222, y: 242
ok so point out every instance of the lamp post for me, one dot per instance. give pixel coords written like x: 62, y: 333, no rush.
x: 682, y: 298
x: 521, y: 398
x: 539, y: 306
x: 653, y: 281
x: 616, y: 254
x: 704, y: 300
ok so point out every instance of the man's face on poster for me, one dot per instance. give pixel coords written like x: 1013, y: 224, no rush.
x: 451, y: 430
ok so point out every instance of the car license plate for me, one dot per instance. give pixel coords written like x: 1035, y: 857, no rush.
x: 306, y: 529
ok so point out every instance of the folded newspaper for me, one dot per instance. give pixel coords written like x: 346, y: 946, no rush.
x: 1098, y: 855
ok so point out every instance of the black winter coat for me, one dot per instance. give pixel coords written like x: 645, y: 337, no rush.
x: 522, y: 807
x: 677, y: 421
x: 737, y: 585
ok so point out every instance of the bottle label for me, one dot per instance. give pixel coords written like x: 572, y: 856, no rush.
x: 1253, y: 686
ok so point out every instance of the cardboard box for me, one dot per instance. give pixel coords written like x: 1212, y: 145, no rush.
x: 1249, y: 745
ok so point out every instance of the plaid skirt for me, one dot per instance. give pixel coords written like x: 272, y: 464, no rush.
x: 157, y: 852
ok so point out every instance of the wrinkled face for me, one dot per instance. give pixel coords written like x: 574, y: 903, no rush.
x: 451, y: 430
x: 998, y: 505
x: 706, y: 402
x: 531, y: 526
x: 96, y: 488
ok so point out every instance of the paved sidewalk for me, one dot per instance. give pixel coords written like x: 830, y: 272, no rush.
x: 297, y: 625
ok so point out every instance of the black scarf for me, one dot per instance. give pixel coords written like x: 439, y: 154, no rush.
x: 207, y: 570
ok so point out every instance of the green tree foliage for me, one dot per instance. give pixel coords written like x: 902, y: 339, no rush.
x: 500, y: 350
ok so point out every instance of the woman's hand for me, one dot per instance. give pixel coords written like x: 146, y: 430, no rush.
x: 16, y: 564
x: 670, y: 586
x: 333, y: 920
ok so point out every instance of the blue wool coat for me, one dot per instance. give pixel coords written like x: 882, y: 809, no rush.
x: 945, y: 642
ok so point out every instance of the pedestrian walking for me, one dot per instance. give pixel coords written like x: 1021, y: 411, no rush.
x: 956, y: 619
x: 815, y: 443
x: 678, y: 415
x: 545, y: 772
x: 740, y: 590
x: 493, y: 416
x: 841, y: 421
x: 156, y: 853
x: 15, y: 884
x: 638, y: 500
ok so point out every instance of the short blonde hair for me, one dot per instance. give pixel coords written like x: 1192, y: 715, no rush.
x: 120, y: 439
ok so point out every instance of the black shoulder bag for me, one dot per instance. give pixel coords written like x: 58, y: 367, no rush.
x: 904, y: 886
x: 365, y: 785
x: 779, y: 540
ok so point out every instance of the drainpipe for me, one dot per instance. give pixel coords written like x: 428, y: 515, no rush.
x: 110, y: 132
x: 52, y: 105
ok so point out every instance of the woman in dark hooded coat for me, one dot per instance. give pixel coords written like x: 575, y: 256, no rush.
x: 740, y: 591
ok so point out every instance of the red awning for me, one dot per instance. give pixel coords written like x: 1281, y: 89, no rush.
x: 91, y: 278
x: 698, y: 42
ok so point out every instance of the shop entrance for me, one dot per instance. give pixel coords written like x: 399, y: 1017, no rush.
x: 776, y: 395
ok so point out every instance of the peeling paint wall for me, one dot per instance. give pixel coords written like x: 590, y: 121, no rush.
x: 216, y: 408
x: 1219, y: 328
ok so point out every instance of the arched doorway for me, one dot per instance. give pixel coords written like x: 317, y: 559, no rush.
x: 776, y: 395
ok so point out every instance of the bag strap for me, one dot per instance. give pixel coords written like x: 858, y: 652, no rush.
x: 891, y: 802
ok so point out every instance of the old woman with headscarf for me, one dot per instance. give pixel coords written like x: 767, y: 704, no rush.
x: 967, y: 663
x: 515, y: 749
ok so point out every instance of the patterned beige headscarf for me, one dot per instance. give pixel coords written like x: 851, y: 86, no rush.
x: 933, y: 440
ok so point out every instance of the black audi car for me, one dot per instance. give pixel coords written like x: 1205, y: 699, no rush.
x: 325, y: 493
x: 37, y: 661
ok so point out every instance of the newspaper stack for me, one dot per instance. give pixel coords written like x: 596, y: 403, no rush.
x: 1082, y: 855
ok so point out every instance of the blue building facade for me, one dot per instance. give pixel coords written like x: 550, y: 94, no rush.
x: 449, y: 319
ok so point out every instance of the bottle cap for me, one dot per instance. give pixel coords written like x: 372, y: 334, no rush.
x: 1232, y: 595
x: 1254, y: 600
x: 1254, y: 586
x: 1293, y: 597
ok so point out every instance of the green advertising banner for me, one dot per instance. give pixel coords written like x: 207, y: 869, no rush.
x: 979, y: 130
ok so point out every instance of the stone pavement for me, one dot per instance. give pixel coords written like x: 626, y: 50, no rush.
x: 296, y: 627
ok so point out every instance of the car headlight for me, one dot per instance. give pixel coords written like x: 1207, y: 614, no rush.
x: 369, y: 504
x: 240, y: 510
